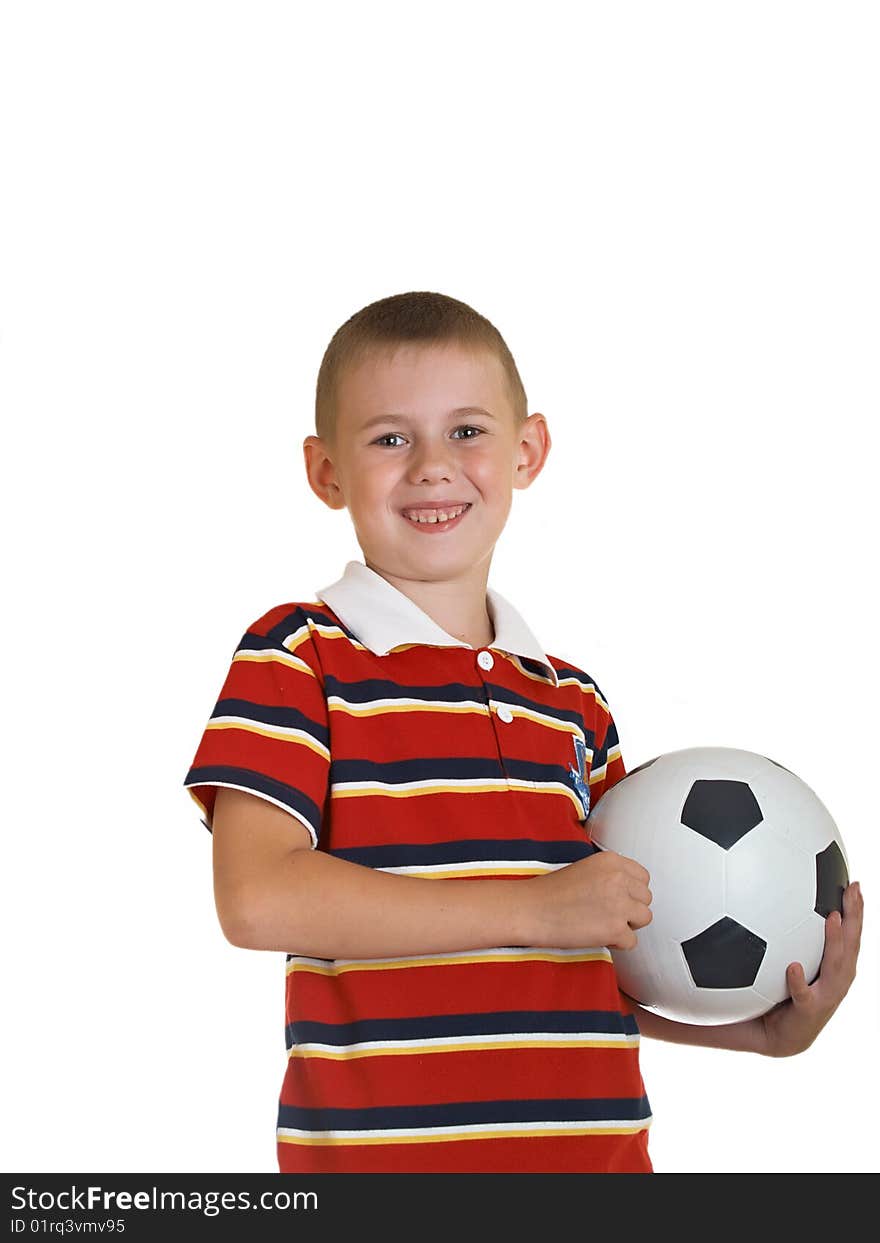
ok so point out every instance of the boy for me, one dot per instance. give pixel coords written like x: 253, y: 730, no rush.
x: 398, y: 779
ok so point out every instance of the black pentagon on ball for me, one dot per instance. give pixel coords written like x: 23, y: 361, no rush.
x: 727, y: 955
x: 831, y: 880
x: 722, y: 811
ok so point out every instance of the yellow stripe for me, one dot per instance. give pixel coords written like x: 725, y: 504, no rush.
x: 437, y: 788
x: 264, y: 731
x: 391, y: 708
x: 554, y: 1132
x: 459, y: 960
x: 470, y: 1047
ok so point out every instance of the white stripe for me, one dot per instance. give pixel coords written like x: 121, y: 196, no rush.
x: 259, y: 794
x: 605, y: 1124
x: 255, y: 655
x: 327, y: 631
x: 388, y: 1046
x: 464, y: 783
x: 403, y: 701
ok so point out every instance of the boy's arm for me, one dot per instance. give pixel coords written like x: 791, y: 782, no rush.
x: 273, y: 892
x: 745, y: 1037
x: 792, y: 1026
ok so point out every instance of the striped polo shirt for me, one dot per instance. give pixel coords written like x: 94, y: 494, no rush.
x: 401, y: 748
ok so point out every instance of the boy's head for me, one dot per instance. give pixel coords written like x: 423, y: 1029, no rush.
x: 418, y: 318
x: 419, y: 403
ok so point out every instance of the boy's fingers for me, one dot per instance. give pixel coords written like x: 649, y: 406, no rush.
x: 797, y: 983
x: 640, y: 892
x: 853, y: 910
x: 636, y: 869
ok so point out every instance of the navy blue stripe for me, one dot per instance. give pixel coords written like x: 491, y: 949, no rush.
x: 273, y: 642
x: 290, y: 796
x: 555, y: 711
x: 571, y: 671
x: 448, y: 768
x: 535, y: 666
x: 466, y: 1113
x: 422, y: 768
x: 271, y: 714
x: 409, y: 854
x: 295, y: 620
x: 433, y: 1026
x: 364, y: 690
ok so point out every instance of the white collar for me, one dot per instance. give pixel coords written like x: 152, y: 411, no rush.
x: 382, y: 618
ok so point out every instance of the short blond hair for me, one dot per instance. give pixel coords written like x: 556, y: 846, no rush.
x: 420, y: 317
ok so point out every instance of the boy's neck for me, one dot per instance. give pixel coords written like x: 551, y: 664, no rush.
x: 458, y: 606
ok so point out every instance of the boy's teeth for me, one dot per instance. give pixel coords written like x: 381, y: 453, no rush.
x: 433, y: 515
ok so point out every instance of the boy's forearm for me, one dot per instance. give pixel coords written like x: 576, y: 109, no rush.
x: 743, y: 1037
x: 321, y: 906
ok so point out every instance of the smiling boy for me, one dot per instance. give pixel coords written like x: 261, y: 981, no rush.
x: 398, y: 780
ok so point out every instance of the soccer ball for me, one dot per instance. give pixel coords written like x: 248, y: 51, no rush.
x: 745, y: 864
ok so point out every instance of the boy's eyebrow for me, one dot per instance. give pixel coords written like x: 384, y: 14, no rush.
x: 403, y: 418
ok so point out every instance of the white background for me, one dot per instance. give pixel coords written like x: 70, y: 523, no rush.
x: 670, y: 212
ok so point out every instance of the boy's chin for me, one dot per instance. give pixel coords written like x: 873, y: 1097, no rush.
x: 425, y: 565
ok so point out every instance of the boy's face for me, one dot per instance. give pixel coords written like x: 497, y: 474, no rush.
x: 428, y: 424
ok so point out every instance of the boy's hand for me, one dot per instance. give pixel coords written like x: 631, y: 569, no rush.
x: 595, y: 901
x: 793, y: 1025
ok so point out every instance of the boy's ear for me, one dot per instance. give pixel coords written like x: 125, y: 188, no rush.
x: 321, y: 472
x: 534, y: 445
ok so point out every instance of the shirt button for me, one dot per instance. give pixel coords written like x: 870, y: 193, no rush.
x: 505, y: 714
x: 485, y: 660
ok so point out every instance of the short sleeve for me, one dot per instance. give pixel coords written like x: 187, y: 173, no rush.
x: 269, y: 731
x: 607, y: 767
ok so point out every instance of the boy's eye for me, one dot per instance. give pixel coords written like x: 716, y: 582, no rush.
x: 464, y: 427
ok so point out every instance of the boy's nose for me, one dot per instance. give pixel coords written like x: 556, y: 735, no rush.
x: 432, y: 461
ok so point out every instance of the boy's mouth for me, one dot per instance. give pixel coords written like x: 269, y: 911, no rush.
x: 435, y: 519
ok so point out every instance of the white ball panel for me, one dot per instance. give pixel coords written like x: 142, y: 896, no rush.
x: 768, y: 882
x: 804, y: 944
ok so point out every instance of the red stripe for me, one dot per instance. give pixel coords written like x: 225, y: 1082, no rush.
x: 481, y: 1075
x: 475, y: 988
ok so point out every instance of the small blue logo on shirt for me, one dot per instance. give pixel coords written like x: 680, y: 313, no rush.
x: 577, y: 774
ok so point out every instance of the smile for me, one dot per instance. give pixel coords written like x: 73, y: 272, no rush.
x: 435, y: 520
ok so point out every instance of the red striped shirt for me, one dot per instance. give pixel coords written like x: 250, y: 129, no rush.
x: 421, y: 756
